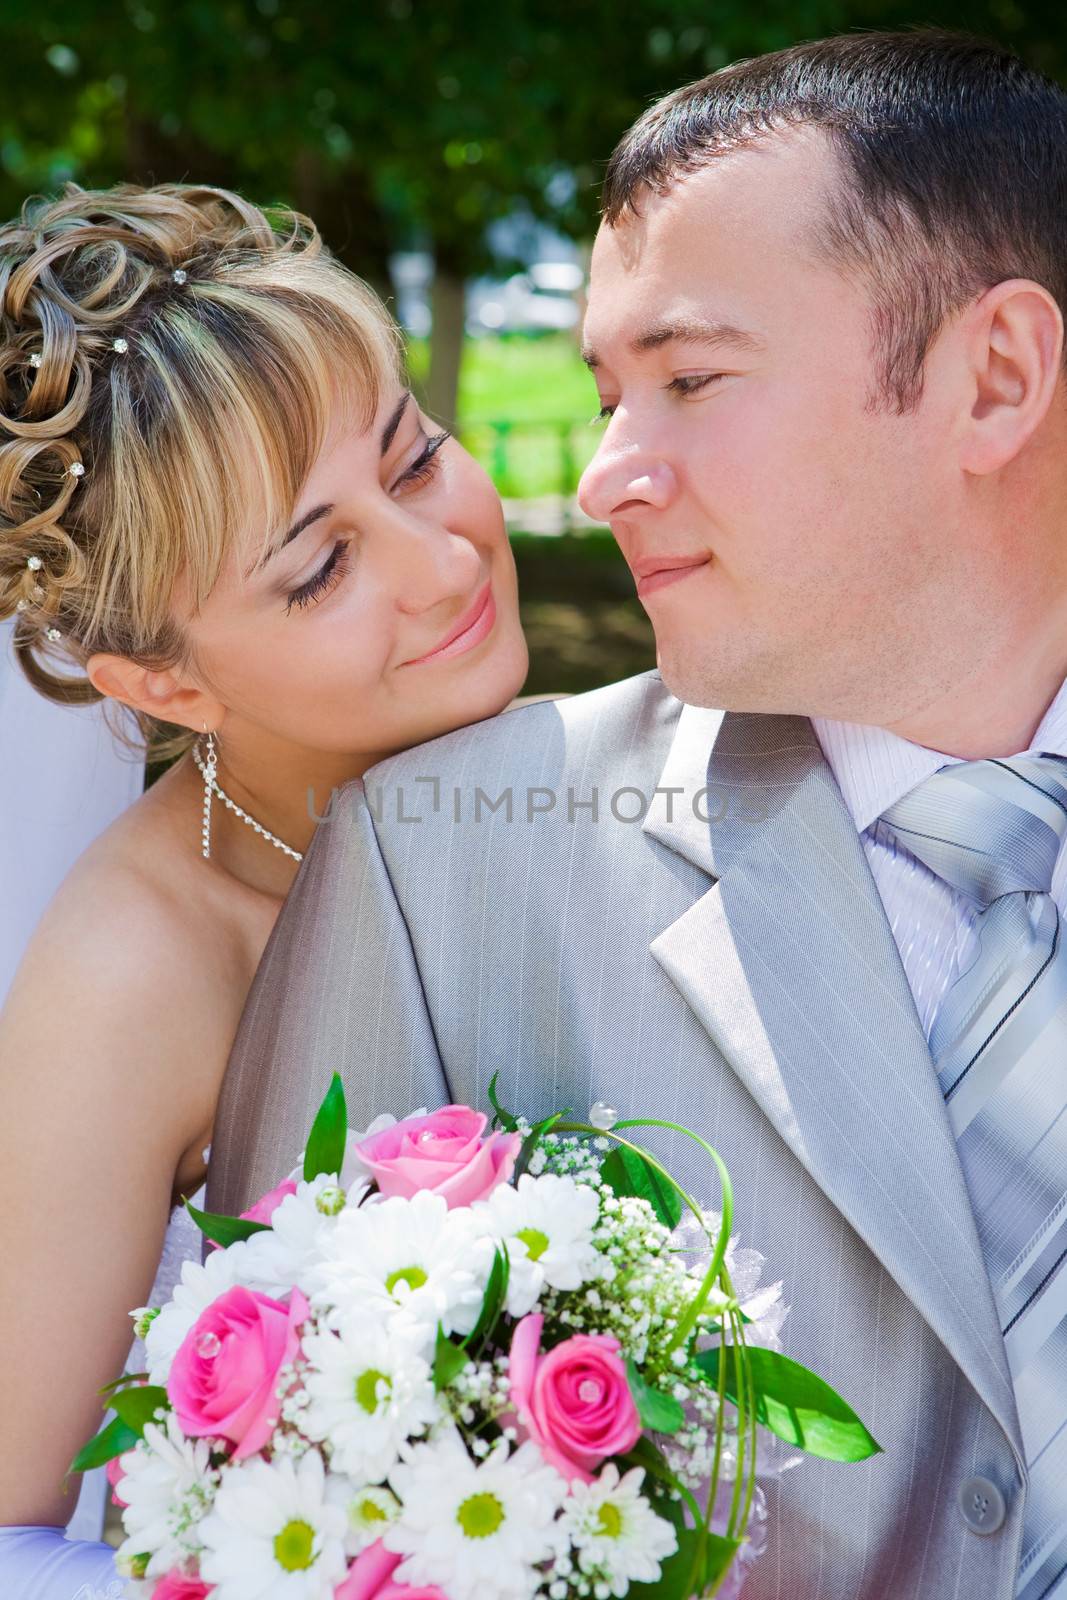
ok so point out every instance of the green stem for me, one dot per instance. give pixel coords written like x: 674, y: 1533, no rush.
x: 753, y: 1425
x: 609, y: 1133
x: 700, y: 1300
x: 686, y: 1323
x: 741, y: 1374
x: 716, y: 1271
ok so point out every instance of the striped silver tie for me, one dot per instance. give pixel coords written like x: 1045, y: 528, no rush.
x: 993, y: 829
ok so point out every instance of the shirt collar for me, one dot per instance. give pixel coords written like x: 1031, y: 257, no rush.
x: 874, y: 768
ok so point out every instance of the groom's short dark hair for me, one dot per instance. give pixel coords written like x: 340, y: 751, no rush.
x: 954, y: 162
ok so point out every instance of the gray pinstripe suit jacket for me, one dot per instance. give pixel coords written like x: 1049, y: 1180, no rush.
x: 736, y: 974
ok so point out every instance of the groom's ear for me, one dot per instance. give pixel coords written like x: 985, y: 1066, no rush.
x: 1014, y: 341
x: 157, y: 693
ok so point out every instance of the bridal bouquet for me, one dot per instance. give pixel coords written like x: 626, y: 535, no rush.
x: 449, y: 1361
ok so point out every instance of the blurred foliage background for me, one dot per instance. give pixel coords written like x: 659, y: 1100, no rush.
x: 417, y: 125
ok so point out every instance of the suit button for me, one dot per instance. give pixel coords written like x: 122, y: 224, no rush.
x: 982, y: 1505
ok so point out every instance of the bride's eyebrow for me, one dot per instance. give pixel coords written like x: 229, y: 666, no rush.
x: 293, y: 533
x: 388, y: 435
x: 389, y: 431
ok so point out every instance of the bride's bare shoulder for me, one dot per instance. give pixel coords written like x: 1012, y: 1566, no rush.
x: 131, y: 976
x: 135, y: 899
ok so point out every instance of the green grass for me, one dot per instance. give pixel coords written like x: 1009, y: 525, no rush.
x: 518, y: 377
x: 526, y: 404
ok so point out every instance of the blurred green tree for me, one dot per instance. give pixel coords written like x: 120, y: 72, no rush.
x: 395, y: 122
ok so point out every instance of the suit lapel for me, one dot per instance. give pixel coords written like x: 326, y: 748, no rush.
x: 789, y: 963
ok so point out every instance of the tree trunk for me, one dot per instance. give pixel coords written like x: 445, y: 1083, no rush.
x: 349, y: 218
x: 447, y: 298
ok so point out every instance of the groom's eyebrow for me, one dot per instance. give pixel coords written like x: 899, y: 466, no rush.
x: 710, y: 332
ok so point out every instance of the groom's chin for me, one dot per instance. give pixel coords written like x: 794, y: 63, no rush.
x: 698, y: 681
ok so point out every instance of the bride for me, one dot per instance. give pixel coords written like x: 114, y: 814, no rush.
x: 222, y: 509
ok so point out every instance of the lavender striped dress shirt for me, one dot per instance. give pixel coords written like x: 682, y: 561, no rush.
x: 933, y: 924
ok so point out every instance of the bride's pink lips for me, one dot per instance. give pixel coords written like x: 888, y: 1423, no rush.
x: 473, y: 626
x: 659, y: 571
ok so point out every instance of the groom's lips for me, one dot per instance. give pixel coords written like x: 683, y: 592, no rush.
x: 654, y: 572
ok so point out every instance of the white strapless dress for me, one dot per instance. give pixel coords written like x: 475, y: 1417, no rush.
x: 182, y: 1243
x: 39, y: 1562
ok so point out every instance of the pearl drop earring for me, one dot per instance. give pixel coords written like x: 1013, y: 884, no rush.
x: 212, y: 786
x: 209, y: 770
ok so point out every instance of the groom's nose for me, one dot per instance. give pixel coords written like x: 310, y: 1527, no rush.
x: 624, y: 479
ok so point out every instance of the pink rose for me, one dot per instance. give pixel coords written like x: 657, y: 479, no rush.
x: 446, y: 1153
x: 176, y: 1586
x: 225, y: 1373
x: 370, y: 1578
x: 265, y: 1206
x: 574, y: 1401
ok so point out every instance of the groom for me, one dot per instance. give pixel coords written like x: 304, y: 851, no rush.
x: 821, y: 925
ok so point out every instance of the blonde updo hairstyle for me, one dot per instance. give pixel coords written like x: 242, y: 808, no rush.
x: 186, y: 353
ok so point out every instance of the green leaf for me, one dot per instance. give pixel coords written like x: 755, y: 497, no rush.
x: 719, y: 1552
x: 326, y: 1141
x: 630, y: 1174
x: 138, y: 1406
x: 659, y: 1479
x: 505, y: 1118
x: 798, y: 1406
x: 496, y: 1289
x: 109, y: 1443
x: 448, y: 1361
x: 225, y: 1230
x: 674, y: 1572
x: 660, y: 1413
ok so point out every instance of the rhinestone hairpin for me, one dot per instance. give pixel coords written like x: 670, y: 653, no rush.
x: 53, y: 634
x: 120, y: 346
x: 76, y: 469
x: 36, y: 358
x: 34, y: 563
x: 179, y: 275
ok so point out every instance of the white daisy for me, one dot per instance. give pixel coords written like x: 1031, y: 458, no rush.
x: 369, y: 1509
x: 414, y: 1257
x: 198, y: 1287
x: 619, y: 1538
x: 369, y: 1389
x: 168, y: 1484
x: 547, y: 1226
x: 274, y: 1533
x: 299, y: 1234
x: 476, y: 1529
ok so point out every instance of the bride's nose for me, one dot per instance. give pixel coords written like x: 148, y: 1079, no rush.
x: 432, y: 565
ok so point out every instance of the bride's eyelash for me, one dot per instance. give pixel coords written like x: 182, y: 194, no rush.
x: 335, y: 566
x: 329, y: 574
x: 422, y: 470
